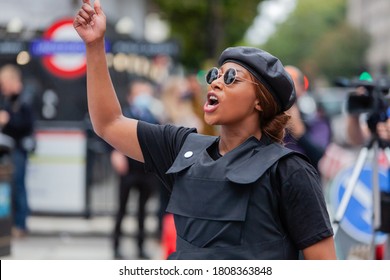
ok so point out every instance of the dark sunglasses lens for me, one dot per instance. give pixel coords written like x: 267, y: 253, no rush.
x: 212, y: 75
x: 229, y: 76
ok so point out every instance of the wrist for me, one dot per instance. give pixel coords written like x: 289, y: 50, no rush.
x: 98, y: 43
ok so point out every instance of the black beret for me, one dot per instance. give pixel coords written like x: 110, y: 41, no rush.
x: 267, y: 69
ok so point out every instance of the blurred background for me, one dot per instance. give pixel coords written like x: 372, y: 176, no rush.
x: 72, y: 187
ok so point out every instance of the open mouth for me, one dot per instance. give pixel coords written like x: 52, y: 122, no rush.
x: 212, y: 100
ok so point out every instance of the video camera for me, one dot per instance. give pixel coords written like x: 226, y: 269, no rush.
x: 367, y: 96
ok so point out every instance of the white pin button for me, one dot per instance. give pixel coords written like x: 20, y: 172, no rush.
x: 188, y: 154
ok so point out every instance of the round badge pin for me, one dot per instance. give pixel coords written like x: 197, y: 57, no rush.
x: 188, y: 154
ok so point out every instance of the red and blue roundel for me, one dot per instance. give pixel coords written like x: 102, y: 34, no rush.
x: 62, y: 50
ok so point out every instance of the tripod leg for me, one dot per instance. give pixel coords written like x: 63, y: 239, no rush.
x: 375, y: 189
x: 349, y: 188
x: 376, y: 200
x: 387, y: 243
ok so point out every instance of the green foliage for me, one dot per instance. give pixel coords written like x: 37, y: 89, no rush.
x: 296, y: 37
x: 205, y: 28
x: 339, y: 52
x: 316, y: 38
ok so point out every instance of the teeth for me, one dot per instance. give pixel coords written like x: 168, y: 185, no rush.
x: 212, y: 101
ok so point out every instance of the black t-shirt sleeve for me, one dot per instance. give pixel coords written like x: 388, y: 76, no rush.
x: 160, y: 145
x: 303, y: 203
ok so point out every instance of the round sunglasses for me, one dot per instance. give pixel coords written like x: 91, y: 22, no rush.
x: 229, y: 77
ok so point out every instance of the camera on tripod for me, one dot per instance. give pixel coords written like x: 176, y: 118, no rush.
x: 367, y: 96
x: 371, y: 97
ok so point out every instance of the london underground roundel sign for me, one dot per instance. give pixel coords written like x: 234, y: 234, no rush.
x: 62, y: 50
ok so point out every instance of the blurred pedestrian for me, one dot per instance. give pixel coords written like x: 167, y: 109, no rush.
x: 176, y: 98
x: 197, y: 98
x: 240, y: 195
x: 131, y: 173
x: 17, y: 121
x: 309, y: 130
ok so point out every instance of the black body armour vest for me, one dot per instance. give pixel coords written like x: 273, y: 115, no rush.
x: 226, y: 208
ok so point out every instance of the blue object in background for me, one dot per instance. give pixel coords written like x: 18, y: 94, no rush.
x: 5, y: 199
x: 357, y: 220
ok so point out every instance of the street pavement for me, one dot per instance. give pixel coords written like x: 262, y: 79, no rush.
x: 78, y: 238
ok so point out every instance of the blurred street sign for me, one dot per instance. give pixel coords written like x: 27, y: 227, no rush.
x: 357, y: 220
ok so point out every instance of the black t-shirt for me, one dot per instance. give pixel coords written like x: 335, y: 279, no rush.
x: 302, y: 202
x: 160, y: 144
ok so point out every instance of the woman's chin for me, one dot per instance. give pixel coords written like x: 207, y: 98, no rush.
x: 210, y: 120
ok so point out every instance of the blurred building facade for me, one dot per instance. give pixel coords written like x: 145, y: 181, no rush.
x: 26, y: 17
x: 373, y: 17
x: 70, y: 161
x: 39, y: 36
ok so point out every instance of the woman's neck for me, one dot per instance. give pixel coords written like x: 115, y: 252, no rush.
x: 232, y: 138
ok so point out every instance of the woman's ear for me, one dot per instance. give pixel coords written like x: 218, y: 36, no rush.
x: 257, y: 106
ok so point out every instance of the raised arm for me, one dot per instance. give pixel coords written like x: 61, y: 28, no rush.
x: 103, y: 105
